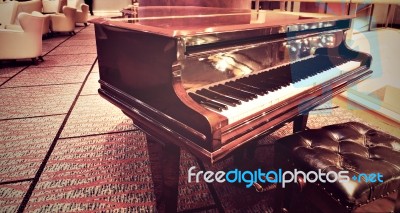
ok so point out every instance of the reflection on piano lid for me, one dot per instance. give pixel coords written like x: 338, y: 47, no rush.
x: 200, y: 23
x: 211, y: 79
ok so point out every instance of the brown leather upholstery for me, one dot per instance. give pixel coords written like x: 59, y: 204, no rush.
x: 354, y: 147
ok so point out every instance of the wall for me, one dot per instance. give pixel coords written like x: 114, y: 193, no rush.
x: 103, y: 5
x: 110, y: 5
x: 205, y: 3
x: 117, y: 5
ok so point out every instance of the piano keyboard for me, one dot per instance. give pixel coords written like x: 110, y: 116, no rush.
x: 248, y: 95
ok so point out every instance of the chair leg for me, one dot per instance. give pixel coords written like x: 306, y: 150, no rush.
x: 300, y: 123
x: 279, y: 199
x: 397, y: 203
x: 35, y: 61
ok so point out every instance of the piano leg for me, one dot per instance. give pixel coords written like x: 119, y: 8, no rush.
x: 244, y: 157
x: 300, y: 123
x: 164, y: 162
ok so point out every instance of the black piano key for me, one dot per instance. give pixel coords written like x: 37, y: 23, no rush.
x: 247, y: 88
x: 199, y: 97
x: 218, y: 97
x: 276, y: 80
x: 265, y: 91
x: 249, y: 94
x: 279, y: 79
x: 276, y: 85
x: 211, y: 105
x: 208, y: 103
x: 271, y: 84
x: 229, y: 91
x: 259, y: 83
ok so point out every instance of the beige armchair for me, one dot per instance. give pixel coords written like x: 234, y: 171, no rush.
x: 23, y: 43
x: 82, y: 15
x: 28, y: 7
x: 64, y: 22
x: 8, y: 12
x: 46, y: 24
x: 61, y: 5
x: 50, y: 6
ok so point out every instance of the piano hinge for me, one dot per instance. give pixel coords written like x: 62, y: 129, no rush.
x: 181, y: 48
x: 176, y: 70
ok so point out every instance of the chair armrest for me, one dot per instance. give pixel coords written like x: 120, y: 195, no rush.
x: 10, y: 32
x: 15, y: 27
x: 56, y: 18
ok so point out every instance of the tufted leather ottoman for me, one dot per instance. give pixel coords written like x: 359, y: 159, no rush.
x: 351, y: 147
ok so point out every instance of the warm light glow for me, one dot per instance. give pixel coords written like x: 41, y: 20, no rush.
x: 223, y: 64
x: 209, y: 30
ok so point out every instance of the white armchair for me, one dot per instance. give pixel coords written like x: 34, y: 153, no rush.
x: 82, y: 15
x: 23, y: 43
x: 28, y: 7
x: 61, y: 5
x: 64, y: 22
x: 50, y: 6
x: 8, y: 11
x: 46, y: 24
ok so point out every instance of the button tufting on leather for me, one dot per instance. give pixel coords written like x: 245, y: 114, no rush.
x: 371, y: 132
x: 351, y: 147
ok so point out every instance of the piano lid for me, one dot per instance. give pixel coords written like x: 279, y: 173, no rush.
x: 188, y: 21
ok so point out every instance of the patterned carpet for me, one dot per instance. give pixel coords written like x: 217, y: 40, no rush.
x: 65, y: 149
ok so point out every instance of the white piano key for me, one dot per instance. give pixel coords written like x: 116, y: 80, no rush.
x: 263, y: 101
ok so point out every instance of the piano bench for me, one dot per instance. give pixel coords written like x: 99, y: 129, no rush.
x: 369, y: 159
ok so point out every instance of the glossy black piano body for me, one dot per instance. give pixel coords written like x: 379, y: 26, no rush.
x: 150, y: 67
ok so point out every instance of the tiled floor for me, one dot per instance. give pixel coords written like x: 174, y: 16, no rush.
x: 93, y: 116
x: 35, y: 76
x: 25, y: 142
x: 65, y: 149
x: 12, y: 194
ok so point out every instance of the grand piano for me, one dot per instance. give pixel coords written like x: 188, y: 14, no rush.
x: 212, y: 81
